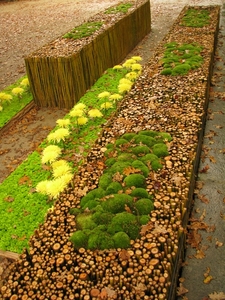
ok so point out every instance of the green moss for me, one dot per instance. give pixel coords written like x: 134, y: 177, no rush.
x: 144, y: 139
x: 140, y: 150
x: 166, y: 71
x: 160, y: 150
x: 121, y: 240
x: 148, y: 158
x: 129, y: 136
x: 79, y: 239
x: 125, y: 222
x: 121, y: 8
x: 113, y: 188
x: 102, y: 217
x: 110, y: 161
x: 84, y: 221
x: 137, y: 164
x: 91, y: 204
x: 156, y: 165
x: 140, y: 193
x: 100, y: 240
x: 136, y: 180
x: 126, y: 156
x: 104, y: 181
x: 97, y: 193
x: 84, y: 30
x: 119, y: 166
x: 196, y: 18
x: 120, y: 142
x: 150, y: 133
x: 181, y: 69
x: 75, y: 211
x: 165, y: 136
x: 144, y: 206
x: 117, y: 203
x: 144, y: 219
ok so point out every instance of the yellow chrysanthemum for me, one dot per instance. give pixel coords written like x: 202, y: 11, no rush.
x: 25, y: 82
x: 136, y: 67
x: 61, y: 170
x: 95, y: 113
x: 76, y: 112
x: 116, y: 97
x: 131, y: 76
x: 126, y: 81
x: 82, y: 120
x: 124, y: 87
x: 5, y: 97
x: 63, y: 122
x: 103, y: 95
x: 81, y: 106
x: 106, y: 105
x: 1, y: 108
x: 136, y: 58
x: 117, y: 67
x: 55, y: 187
x: 58, y: 135
x: 52, y: 148
x: 42, y: 187
x: 59, y: 163
x: 17, y: 91
x: 49, y: 157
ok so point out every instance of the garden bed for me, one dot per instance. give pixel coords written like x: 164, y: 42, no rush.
x: 62, y: 71
x: 148, y: 268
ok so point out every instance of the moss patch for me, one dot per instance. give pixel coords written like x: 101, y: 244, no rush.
x: 84, y: 30
x: 180, y: 59
x: 196, y: 18
x: 121, y: 8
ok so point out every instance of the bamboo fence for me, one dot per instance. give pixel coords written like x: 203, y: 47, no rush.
x: 61, y: 81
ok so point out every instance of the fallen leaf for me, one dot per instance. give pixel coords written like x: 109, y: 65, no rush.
x: 202, y: 217
x: 124, y: 255
x: 212, y: 159
x: 208, y: 279
x: 217, y: 296
x: 218, y: 244
x: 203, y: 198
x: 9, y: 199
x: 204, y: 170
x: 181, y: 290
x: 130, y: 170
x: 199, y: 254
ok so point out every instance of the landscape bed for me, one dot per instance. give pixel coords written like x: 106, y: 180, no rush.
x: 63, y: 70
x: 173, y: 104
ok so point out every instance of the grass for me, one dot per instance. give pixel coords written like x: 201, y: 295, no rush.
x: 22, y: 208
x: 10, y: 109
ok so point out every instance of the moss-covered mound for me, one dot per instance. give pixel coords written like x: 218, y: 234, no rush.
x: 196, y: 18
x: 180, y: 59
x: 112, y: 214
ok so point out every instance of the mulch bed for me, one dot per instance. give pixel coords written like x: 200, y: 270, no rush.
x: 53, y: 269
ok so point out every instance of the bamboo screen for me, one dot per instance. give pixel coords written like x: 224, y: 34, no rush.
x: 61, y: 81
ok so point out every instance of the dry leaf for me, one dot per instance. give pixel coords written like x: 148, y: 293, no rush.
x: 25, y: 180
x: 208, y: 279
x: 218, y: 244
x: 181, y: 290
x: 212, y: 159
x: 130, y: 170
x: 205, y: 169
x: 199, y: 254
x: 9, y: 199
x: 124, y: 255
x: 217, y: 296
x: 203, y: 198
x: 202, y: 217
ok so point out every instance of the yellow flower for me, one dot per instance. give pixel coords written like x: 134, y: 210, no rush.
x: 81, y: 106
x: 136, y: 58
x: 17, y: 91
x: 63, y: 122
x: 117, y: 67
x: 59, y: 163
x: 52, y: 148
x: 136, y: 67
x: 58, y: 135
x: 103, y: 95
x: 76, y: 112
x: 131, y: 76
x: 42, y: 187
x: 61, y: 170
x: 106, y: 105
x: 115, y: 97
x: 82, y: 120
x: 95, y: 113
x: 126, y: 81
x: 124, y: 87
x: 55, y: 187
x: 49, y: 157
x: 5, y: 97
x: 1, y: 108
x: 25, y: 82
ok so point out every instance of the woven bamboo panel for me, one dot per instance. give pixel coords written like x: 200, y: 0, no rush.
x: 62, y: 81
